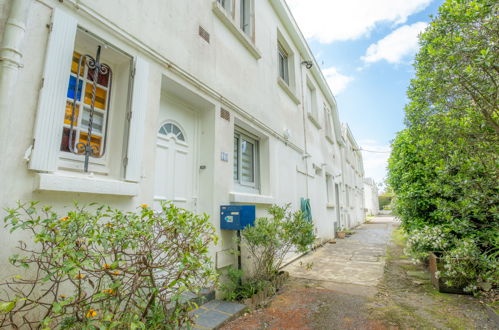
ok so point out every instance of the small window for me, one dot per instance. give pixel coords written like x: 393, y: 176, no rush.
x: 329, y: 126
x: 246, y: 17
x: 245, y: 159
x: 227, y: 5
x: 329, y: 189
x: 96, y: 106
x: 283, y: 63
x: 170, y: 129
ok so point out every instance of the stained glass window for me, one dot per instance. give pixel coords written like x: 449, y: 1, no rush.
x: 81, y: 113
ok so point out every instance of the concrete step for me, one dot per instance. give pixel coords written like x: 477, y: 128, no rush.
x: 215, y: 313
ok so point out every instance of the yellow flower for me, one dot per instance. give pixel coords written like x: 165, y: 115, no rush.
x: 91, y: 313
x: 144, y: 206
x: 81, y: 276
x: 106, y: 266
x: 62, y: 296
x: 110, y: 291
x: 116, y: 272
x: 109, y: 224
x: 64, y: 219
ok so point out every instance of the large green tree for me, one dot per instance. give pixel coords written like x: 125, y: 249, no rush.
x: 444, y: 167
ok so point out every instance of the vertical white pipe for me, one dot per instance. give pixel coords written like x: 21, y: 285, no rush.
x: 11, y: 59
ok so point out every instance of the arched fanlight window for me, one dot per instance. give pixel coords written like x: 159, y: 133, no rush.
x: 172, y: 129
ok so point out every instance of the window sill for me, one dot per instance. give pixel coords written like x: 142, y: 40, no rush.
x: 236, y: 197
x: 314, y: 120
x: 240, y: 35
x: 85, y: 184
x: 288, y: 90
x: 330, y: 139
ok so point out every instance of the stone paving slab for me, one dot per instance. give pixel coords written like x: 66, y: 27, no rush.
x: 358, y: 259
x: 215, y: 313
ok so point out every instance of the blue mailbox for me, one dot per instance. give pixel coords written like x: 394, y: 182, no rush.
x: 236, y: 217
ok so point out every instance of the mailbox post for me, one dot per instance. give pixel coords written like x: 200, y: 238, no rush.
x: 237, y: 217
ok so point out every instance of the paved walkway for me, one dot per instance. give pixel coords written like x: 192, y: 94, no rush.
x: 329, y: 288
x: 357, y: 259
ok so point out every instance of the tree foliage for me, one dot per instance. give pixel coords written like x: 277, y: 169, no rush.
x: 444, y: 166
x: 101, y: 268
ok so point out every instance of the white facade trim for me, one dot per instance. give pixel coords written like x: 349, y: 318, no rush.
x: 85, y: 184
x: 137, y: 121
x: 237, y: 197
x: 52, y: 100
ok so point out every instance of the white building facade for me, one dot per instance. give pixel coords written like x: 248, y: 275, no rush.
x: 225, y: 107
x: 371, y: 196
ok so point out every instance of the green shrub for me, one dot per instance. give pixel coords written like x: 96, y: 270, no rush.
x: 236, y: 288
x: 270, y: 239
x: 97, y: 267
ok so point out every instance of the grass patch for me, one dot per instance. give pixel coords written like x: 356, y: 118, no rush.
x: 398, y: 237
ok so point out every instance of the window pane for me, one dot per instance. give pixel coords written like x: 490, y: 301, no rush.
x: 65, y: 139
x: 94, y: 141
x: 71, y: 88
x: 74, y: 64
x: 247, y: 161
x: 236, y: 158
x: 100, y: 96
x: 69, y: 112
x: 98, y: 121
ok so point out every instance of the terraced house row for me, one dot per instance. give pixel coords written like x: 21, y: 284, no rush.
x: 202, y: 103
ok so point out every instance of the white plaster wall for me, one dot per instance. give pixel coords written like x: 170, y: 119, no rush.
x: 247, y: 87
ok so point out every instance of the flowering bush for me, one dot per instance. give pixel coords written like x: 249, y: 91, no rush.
x: 425, y: 240
x: 97, y: 267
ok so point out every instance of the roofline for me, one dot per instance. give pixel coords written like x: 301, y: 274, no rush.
x: 287, y: 19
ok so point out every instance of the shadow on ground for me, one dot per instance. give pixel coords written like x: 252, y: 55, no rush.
x: 402, y: 298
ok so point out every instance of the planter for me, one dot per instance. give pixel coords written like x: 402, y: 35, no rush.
x: 435, y: 264
x: 259, y: 299
x: 341, y: 234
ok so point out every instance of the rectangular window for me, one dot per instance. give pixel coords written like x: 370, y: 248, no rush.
x: 227, y: 5
x: 283, y: 63
x: 329, y: 126
x: 245, y: 159
x: 329, y: 189
x: 95, y: 104
x: 245, y: 20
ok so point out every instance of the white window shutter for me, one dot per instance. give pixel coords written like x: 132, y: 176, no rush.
x: 52, y: 99
x: 137, y: 122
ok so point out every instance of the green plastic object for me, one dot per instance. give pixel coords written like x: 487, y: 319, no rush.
x: 306, y: 209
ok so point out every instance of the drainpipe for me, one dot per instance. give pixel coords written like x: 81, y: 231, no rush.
x: 304, y: 157
x: 11, y: 58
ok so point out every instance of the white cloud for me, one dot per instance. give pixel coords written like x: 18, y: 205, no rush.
x: 397, y: 45
x: 375, y: 159
x: 337, y: 81
x: 333, y: 20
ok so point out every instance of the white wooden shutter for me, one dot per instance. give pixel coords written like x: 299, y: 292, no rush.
x: 52, y: 99
x: 137, y: 122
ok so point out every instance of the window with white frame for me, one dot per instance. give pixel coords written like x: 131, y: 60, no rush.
x: 97, y: 108
x: 329, y: 189
x: 283, y: 58
x: 246, y: 17
x: 227, y: 5
x: 246, y: 160
x: 311, y: 99
x: 65, y: 104
x: 328, y: 118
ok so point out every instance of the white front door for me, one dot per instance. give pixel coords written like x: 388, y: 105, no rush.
x: 174, y: 170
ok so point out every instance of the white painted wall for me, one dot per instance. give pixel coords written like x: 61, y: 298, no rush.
x: 371, y: 196
x: 206, y: 77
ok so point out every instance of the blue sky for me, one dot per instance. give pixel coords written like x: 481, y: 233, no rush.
x: 365, y: 49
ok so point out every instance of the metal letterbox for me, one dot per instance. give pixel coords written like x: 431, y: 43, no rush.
x: 236, y: 217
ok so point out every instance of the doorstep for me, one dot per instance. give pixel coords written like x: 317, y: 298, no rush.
x: 215, y: 313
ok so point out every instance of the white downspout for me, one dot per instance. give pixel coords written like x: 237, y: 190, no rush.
x: 11, y: 58
x: 304, y: 115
